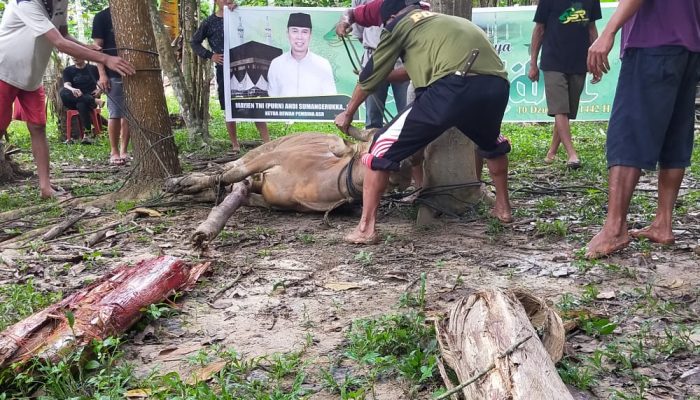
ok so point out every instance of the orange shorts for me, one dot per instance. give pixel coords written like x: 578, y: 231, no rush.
x: 28, y: 106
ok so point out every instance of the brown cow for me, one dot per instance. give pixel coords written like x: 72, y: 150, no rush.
x: 305, y: 172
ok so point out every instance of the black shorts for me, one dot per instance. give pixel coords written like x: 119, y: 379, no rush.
x: 220, y: 86
x: 652, y: 115
x: 474, y: 104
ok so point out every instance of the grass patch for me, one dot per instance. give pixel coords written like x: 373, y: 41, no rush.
x: 21, y: 300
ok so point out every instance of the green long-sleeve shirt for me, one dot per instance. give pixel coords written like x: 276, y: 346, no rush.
x: 432, y: 46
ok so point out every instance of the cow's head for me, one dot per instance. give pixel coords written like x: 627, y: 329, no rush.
x: 398, y: 180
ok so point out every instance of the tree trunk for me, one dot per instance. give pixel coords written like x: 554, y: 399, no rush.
x: 171, y: 68
x: 480, y: 329
x: 449, y: 160
x: 154, y: 146
x: 196, y: 71
x: 53, y: 82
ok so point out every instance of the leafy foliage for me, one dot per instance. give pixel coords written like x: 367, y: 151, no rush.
x: 20, y: 300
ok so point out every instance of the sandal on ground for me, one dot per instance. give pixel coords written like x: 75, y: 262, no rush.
x: 116, y: 160
x: 573, y: 164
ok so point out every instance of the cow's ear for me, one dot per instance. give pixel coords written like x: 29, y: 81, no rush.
x: 341, y: 148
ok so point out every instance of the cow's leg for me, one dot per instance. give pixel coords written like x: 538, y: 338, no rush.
x: 244, y: 167
x: 191, y: 183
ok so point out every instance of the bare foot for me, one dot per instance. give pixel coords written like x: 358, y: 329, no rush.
x: 359, y: 237
x: 548, y: 159
x: 48, y: 193
x: 54, y: 192
x: 603, y: 244
x: 502, y: 213
x: 654, y: 234
x: 411, y: 198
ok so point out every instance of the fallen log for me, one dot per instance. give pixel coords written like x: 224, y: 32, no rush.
x: 215, y: 222
x: 68, y: 222
x: 106, y: 308
x: 486, y: 335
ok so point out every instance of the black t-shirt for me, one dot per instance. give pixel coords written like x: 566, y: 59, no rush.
x: 566, y: 34
x: 102, y: 29
x: 84, y: 79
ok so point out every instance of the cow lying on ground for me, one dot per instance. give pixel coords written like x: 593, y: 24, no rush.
x: 307, y: 172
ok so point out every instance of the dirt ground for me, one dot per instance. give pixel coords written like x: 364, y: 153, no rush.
x: 294, y: 276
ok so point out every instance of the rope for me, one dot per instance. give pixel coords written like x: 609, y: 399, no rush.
x: 355, y: 67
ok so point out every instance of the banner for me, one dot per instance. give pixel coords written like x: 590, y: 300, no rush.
x: 270, y: 81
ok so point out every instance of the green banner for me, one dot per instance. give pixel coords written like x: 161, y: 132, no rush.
x: 261, y: 65
x: 510, y: 31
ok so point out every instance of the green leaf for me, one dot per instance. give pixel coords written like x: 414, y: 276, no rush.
x: 70, y: 317
x: 92, y: 364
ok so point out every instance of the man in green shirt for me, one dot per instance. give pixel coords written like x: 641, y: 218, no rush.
x: 434, y: 48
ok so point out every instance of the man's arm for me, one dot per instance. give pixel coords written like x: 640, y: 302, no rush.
x: 197, y: 40
x: 598, y: 52
x: 103, y: 79
x: 535, y: 46
x: 344, y: 119
x: 64, y: 45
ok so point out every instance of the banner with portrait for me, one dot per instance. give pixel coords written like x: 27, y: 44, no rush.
x: 287, y: 64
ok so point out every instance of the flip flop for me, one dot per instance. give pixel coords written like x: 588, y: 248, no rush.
x: 573, y: 164
x: 117, y: 161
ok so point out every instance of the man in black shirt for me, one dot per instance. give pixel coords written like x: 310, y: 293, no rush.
x: 80, y: 90
x: 564, y: 29
x: 111, y: 83
x: 212, y: 29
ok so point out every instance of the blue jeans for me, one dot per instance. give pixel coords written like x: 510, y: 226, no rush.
x: 376, y: 101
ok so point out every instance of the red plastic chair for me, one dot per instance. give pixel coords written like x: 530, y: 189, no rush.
x: 96, y: 123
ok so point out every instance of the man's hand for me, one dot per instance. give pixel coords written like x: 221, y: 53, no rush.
x: 103, y: 83
x: 342, y: 121
x: 120, y: 65
x: 231, y: 4
x: 534, y: 73
x: 218, y: 58
x: 76, y: 92
x: 596, y: 78
x: 93, y: 46
x: 343, y: 28
x: 97, y: 92
x: 598, y: 55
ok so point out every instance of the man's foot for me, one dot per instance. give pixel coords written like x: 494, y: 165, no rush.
x: 654, y: 234
x: 359, y: 237
x: 54, y: 192
x: 411, y: 198
x: 116, y: 160
x: 502, y: 213
x: 573, y: 164
x: 603, y: 244
x: 549, y: 159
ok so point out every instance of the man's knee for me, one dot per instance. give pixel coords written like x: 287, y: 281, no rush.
x: 502, y: 148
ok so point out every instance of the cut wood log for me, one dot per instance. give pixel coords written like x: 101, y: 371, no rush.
x: 488, y: 328
x: 106, y: 308
x: 215, y: 222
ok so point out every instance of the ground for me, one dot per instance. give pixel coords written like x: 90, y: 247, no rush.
x: 297, y: 289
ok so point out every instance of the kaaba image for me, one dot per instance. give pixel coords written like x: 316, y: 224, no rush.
x: 249, y: 65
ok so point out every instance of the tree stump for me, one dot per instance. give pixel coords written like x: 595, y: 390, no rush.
x: 9, y: 169
x: 480, y: 333
x: 449, y: 160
